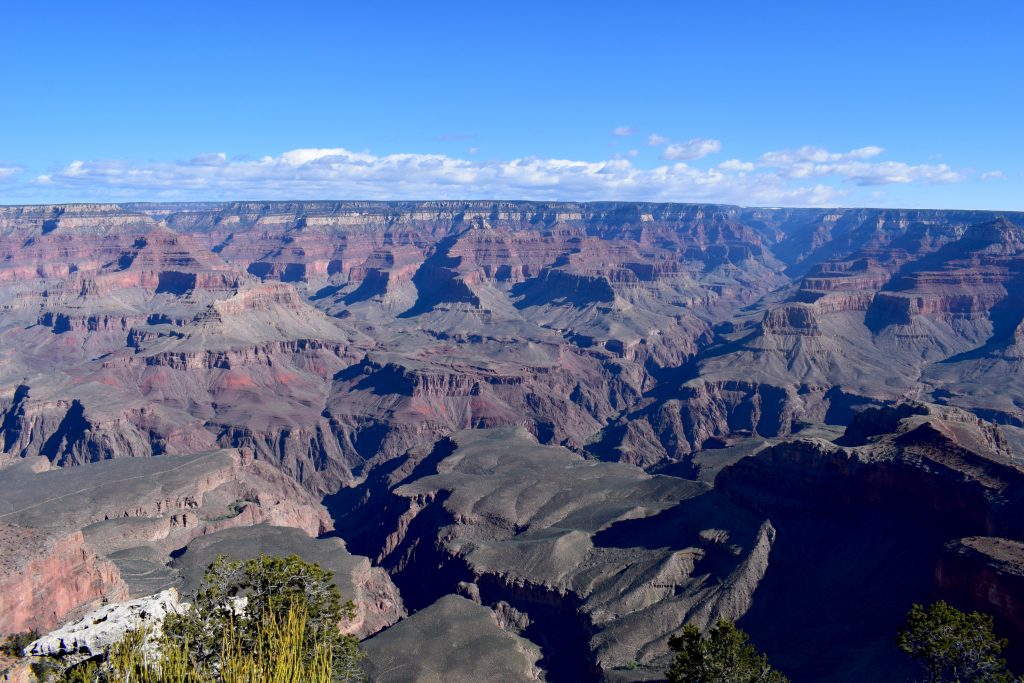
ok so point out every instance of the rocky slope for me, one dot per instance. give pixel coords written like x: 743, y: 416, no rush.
x: 929, y: 312
x: 178, y: 379
x: 109, y: 530
x: 868, y: 527
x: 599, y: 561
x: 379, y: 326
x: 454, y: 640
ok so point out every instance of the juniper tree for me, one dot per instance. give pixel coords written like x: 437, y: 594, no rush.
x: 724, y: 655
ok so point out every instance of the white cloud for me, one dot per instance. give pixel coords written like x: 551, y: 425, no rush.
x: 9, y: 171
x: 816, y: 162
x: 624, y: 131
x: 697, y: 148
x: 209, y: 159
x: 340, y: 173
x: 993, y: 175
x: 737, y: 165
x: 817, y: 155
x: 808, y: 176
x: 473, y: 150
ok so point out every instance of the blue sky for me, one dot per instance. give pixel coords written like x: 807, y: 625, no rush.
x: 916, y: 104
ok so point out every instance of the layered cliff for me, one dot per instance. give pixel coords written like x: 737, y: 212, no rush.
x: 46, y: 576
x: 200, y: 375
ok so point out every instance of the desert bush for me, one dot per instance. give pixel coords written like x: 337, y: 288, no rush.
x: 279, y: 654
x: 265, y: 620
x: 271, y: 587
x: 16, y: 642
x: 721, y: 656
x: 954, y: 646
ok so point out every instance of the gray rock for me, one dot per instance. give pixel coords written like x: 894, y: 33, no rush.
x: 452, y: 641
x: 101, y: 628
x: 605, y: 560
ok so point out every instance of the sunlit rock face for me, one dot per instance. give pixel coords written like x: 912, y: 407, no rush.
x: 629, y: 415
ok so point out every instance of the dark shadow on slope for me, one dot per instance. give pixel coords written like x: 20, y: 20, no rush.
x: 555, y: 286
x: 13, y: 418
x: 374, y: 284
x: 857, y: 543
x: 174, y: 282
x: 1005, y: 316
x: 71, y: 430
x: 325, y: 292
x: 680, y: 527
x: 294, y: 272
x: 437, y: 283
x: 836, y: 591
x: 351, y: 508
x: 844, y: 407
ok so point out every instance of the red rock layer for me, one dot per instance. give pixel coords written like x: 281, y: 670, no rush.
x: 45, y: 577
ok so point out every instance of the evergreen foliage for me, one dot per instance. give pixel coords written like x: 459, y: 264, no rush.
x: 724, y: 655
x: 954, y: 646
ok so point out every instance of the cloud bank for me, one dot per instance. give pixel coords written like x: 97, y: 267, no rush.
x: 808, y: 176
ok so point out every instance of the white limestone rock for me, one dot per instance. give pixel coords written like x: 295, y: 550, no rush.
x: 101, y: 628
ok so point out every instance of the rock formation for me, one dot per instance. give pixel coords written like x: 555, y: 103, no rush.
x: 596, y: 421
x: 452, y: 640
x: 45, y: 576
x: 604, y: 561
x: 97, y: 630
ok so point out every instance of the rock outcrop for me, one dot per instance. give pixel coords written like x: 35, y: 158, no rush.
x: 452, y: 640
x: 97, y: 630
x: 866, y: 530
x: 986, y: 574
x: 45, y: 576
x: 603, y: 560
x: 177, y: 379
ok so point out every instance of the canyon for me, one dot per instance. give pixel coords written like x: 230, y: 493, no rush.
x: 549, y: 433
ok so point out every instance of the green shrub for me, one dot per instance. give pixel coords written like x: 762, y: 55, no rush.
x: 16, y: 642
x: 286, y: 632
x: 951, y: 645
x: 722, y: 656
x: 279, y: 654
x: 273, y: 587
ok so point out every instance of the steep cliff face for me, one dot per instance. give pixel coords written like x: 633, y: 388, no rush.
x: 173, y: 323
x: 47, y: 576
x: 270, y: 353
x: 868, y: 529
x: 986, y: 574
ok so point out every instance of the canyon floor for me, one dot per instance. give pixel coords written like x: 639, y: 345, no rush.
x: 530, y: 439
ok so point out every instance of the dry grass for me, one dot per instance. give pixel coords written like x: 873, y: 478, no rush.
x: 278, y: 656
